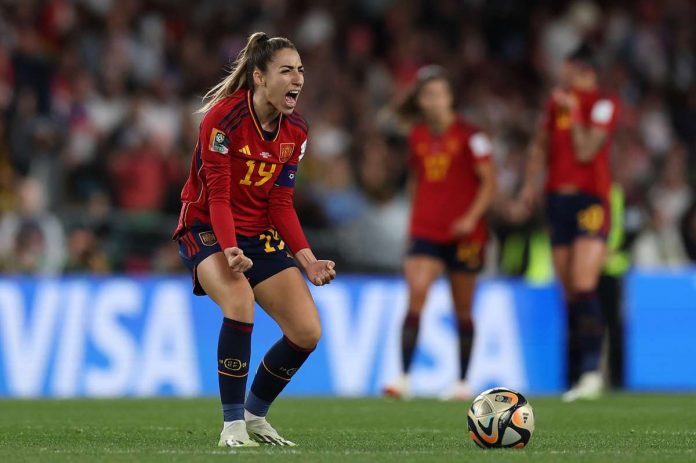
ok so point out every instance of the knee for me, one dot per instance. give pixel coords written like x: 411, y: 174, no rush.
x: 307, y: 337
x: 583, y: 285
x: 584, y: 280
x: 418, y: 292
x: 239, y: 306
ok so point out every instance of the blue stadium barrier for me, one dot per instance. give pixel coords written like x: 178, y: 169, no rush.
x: 117, y: 336
x: 661, y: 330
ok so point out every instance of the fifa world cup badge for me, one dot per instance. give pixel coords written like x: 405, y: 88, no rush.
x: 219, y: 142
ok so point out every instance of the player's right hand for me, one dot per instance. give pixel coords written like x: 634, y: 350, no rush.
x: 237, y: 261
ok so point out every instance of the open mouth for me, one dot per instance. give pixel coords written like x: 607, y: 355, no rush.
x: 291, y: 98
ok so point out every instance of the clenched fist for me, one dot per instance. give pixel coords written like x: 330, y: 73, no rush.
x: 321, y: 272
x: 237, y: 261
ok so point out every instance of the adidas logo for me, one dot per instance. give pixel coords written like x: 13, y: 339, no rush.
x: 245, y: 150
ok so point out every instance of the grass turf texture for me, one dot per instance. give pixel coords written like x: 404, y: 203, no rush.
x: 624, y: 427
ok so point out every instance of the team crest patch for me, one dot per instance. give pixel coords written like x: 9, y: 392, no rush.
x: 591, y: 219
x: 219, y: 142
x: 286, y: 150
x: 208, y: 238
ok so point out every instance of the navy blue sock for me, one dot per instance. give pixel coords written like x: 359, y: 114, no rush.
x: 574, y: 354
x: 409, y: 339
x: 590, y: 329
x: 278, y: 366
x: 234, y: 349
x: 466, y: 339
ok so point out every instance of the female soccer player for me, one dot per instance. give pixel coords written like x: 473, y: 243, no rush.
x: 238, y: 228
x: 574, y: 142
x: 454, y: 184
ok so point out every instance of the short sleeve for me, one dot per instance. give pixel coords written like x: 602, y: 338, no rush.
x: 480, y: 146
x: 603, y: 113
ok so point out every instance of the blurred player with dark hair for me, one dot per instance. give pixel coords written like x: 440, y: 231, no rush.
x: 573, y: 144
x: 453, y: 185
x: 238, y: 226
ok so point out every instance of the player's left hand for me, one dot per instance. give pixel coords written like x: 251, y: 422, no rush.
x: 464, y: 226
x: 321, y: 272
x: 565, y: 99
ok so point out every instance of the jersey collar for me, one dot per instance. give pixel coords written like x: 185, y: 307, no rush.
x: 255, y: 118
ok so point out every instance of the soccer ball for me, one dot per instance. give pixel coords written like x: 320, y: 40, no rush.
x: 500, y: 417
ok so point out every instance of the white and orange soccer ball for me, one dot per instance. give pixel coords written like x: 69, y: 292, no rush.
x: 500, y: 417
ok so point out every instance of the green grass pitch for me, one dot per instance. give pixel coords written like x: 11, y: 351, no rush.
x: 618, y: 428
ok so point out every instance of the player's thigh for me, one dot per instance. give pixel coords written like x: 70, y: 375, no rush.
x: 229, y: 290
x: 463, y: 285
x: 562, y: 266
x: 286, y: 298
x: 420, y: 271
x: 586, y: 264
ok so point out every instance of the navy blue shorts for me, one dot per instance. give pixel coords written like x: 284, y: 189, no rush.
x: 267, y: 251
x: 573, y: 215
x: 463, y: 256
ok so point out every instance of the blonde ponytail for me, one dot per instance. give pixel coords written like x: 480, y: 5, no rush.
x: 257, y: 53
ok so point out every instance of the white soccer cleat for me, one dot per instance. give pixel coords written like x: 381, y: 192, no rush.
x: 459, y: 391
x: 262, y: 432
x: 399, y: 389
x: 234, y: 434
x: 589, y: 387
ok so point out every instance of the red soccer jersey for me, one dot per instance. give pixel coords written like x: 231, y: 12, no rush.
x: 565, y: 170
x: 446, y: 179
x: 235, y: 168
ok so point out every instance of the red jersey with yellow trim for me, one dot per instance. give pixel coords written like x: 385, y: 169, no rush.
x: 234, y: 160
x: 446, y: 179
x: 594, y: 177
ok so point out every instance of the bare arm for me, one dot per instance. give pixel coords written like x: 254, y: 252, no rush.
x: 482, y: 201
x: 486, y: 191
x: 536, y: 159
x: 587, y: 141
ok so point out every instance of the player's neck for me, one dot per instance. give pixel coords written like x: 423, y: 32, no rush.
x: 265, y: 112
x: 441, y: 123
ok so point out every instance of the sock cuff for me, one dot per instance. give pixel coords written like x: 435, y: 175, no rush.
x: 294, y: 346
x: 256, y: 405
x: 412, y: 320
x: 465, y: 325
x: 237, y: 325
x: 232, y: 412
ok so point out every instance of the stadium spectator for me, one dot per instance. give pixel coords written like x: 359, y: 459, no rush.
x: 71, y: 72
x: 31, y: 238
x: 84, y: 254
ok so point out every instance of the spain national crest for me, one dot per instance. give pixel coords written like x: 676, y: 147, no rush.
x: 208, y: 238
x: 286, y: 150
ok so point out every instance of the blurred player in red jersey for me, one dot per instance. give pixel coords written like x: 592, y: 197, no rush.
x: 240, y: 237
x: 573, y: 144
x: 453, y: 179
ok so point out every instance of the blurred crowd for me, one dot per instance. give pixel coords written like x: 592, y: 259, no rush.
x: 98, y: 101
